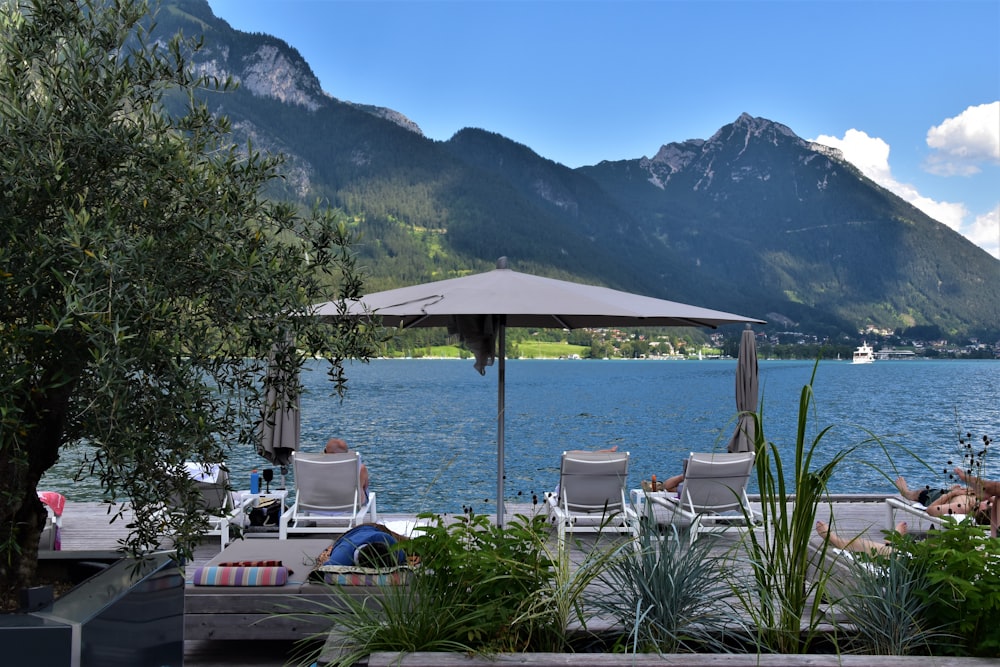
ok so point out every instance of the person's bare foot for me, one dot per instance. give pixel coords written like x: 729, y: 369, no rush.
x: 822, y: 529
x: 901, y: 528
x: 904, y: 490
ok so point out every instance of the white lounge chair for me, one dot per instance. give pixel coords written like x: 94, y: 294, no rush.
x: 919, y: 511
x: 328, y: 495
x: 224, y: 509
x: 591, y: 494
x: 713, y: 495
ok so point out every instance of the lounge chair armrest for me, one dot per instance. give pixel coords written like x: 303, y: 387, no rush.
x: 664, y: 499
x: 244, y: 501
x: 370, y: 508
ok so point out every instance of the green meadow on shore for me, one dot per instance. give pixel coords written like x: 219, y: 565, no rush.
x: 524, y: 349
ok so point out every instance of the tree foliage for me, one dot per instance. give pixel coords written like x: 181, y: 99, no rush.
x: 143, y: 276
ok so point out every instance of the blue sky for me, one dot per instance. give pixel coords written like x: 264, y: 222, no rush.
x: 910, y: 91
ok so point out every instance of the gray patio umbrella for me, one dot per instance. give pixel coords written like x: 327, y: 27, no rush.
x: 480, y: 307
x: 746, y: 394
x: 280, y: 425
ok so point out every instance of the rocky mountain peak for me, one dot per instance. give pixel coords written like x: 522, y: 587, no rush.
x: 268, y: 72
x: 390, y: 115
x: 747, y: 131
x: 733, y: 154
x: 265, y: 66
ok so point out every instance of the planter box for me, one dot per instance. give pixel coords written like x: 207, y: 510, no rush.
x: 130, y: 614
x: 668, y: 660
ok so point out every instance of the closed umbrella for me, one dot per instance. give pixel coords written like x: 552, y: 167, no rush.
x: 480, y: 307
x: 280, y: 425
x: 746, y: 394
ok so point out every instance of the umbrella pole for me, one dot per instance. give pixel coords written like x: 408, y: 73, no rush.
x: 501, y: 380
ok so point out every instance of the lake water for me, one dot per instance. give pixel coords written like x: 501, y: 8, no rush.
x: 427, y: 428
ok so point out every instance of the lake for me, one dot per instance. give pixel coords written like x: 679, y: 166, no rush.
x: 427, y: 427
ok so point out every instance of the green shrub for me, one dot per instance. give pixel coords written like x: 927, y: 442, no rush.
x: 888, y: 608
x: 472, y: 592
x: 495, y: 572
x: 566, y: 599
x: 670, y: 596
x: 963, y: 572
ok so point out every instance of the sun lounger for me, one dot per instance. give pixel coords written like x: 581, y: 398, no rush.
x: 838, y: 566
x: 226, y: 508
x: 591, y: 494
x: 713, y: 495
x: 328, y: 495
x: 911, y: 507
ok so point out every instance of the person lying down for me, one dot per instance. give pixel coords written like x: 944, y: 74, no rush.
x: 857, y: 544
x: 368, y: 545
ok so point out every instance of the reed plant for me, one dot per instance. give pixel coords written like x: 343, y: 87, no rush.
x: 670, y: 595
x: 550, y: 611
x: 778, y: 601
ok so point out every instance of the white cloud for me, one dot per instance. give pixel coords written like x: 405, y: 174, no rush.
x: 961, y: 144
x: 985, y: 231
x: 871, y: 156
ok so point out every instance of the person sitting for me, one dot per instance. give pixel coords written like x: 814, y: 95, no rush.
x: 368, y: 545
x: 671, y: 484
x: 339, y: 446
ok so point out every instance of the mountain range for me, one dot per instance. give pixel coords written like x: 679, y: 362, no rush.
x: 754, y: 220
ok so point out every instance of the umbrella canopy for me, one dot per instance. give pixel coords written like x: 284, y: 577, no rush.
x: 746, y: 394
x: 280, y: 422
x: 481, y: 306
x: 527, y: 301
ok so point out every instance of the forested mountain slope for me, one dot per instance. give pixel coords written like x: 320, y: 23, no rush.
x: 754, y: 219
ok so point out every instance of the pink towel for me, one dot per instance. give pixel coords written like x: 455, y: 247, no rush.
x: 54, y: 500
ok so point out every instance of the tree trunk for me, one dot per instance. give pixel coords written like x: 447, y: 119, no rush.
x: 22, y: 515
x: 21, y: 522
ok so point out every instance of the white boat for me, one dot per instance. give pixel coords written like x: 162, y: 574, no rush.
x: 863, y: 354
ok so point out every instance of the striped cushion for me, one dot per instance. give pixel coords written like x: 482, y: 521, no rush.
x: 216, y: 575
x: 348, y: 575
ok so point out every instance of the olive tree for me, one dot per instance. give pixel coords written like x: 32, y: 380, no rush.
x: 144, y: 277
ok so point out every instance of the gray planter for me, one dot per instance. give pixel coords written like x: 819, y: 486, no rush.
x: 130, y: 614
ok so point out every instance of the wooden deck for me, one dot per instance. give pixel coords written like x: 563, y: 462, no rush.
x: 87, y: 528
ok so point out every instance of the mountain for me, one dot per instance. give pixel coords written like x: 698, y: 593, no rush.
x: 755, y: 219
x: 757, y: 203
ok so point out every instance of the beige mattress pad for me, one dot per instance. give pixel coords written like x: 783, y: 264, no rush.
x: 299, y: 555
